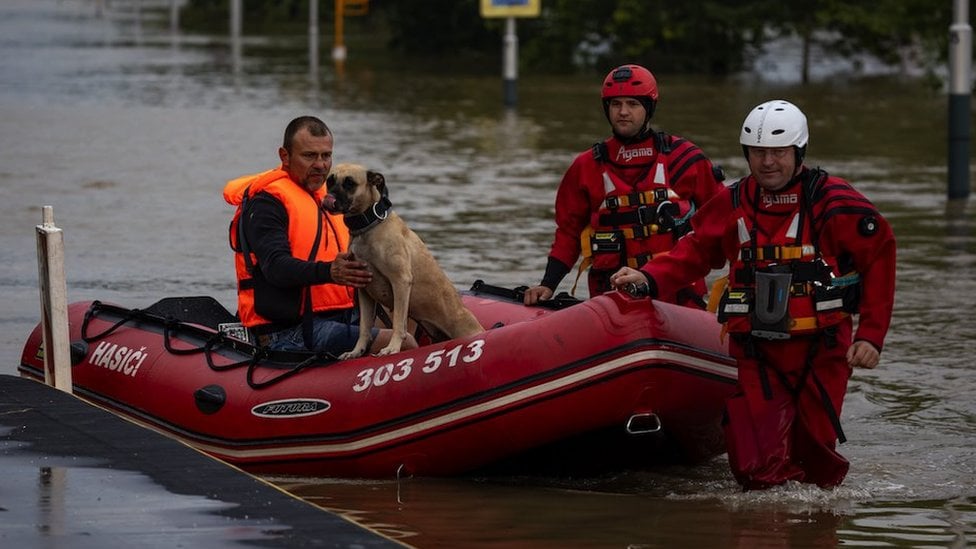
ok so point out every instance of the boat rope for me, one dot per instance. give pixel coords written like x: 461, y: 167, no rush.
x: 280, y: 377
x: 212, y: 342
x: 91, y: 312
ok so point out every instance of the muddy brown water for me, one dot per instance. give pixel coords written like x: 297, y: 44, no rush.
x: 129, y: 131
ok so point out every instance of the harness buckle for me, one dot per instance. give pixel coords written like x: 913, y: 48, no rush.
x: 646, y: 215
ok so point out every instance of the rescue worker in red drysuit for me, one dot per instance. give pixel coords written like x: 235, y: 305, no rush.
x: 628, y: 198
x: 805, y: 252
x: 295, y: 278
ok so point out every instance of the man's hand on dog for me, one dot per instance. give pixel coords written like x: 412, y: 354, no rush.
x: 349, y: 271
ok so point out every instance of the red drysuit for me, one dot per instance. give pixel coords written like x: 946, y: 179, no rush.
x: 609, y: 202
x: 802, y: 260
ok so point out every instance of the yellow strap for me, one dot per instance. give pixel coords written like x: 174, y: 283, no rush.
x: 646, y: 197
x: 791, y: 252
x: 586, y: 251
x: 785, y: 252
x: 716, y: 292
x: 807, y: 323
x: 585, y: 237
x: 584, y: 265
x: 643, y: 198
x: 631, y: 234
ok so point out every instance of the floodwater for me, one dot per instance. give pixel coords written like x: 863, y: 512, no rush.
x: 129, y: 129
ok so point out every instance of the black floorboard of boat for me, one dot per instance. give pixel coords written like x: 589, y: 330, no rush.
x: 74, y: 475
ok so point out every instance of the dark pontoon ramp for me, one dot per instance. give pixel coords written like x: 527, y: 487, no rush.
x: 74, y: 475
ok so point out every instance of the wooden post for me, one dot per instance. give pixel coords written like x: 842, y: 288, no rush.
x: 54, y: 303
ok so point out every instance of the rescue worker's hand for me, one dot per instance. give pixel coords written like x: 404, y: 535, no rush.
x: 862, y: 354
x: 536, y: 294
x: 349, y: 271
x: 620, y: 279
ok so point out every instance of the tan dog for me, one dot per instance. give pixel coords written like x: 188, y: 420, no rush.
x: 406, y: 278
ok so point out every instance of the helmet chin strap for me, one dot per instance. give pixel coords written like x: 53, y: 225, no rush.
x: 646, y: 129
x: 800, y: 153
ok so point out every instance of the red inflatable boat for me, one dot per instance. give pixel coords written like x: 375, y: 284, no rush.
x: 634, y: 371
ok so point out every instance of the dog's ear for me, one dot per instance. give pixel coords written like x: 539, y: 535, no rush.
x: 376, y: 179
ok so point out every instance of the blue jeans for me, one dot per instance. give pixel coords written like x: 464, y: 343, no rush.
x: 335, y: 332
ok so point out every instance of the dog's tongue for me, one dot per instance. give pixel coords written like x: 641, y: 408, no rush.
x: 329, y: 202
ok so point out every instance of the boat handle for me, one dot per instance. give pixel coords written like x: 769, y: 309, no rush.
x: 647, y: 422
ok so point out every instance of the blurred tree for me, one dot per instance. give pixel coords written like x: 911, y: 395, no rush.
x: 693, y: 36
x: 438, y: 27
x: 264, y: 16
x: 905, y: 33
x: 690, y: 36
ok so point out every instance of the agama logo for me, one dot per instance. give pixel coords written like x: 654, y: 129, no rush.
x: 292, y: 407
x: 627, y: 155
x: 779, y: 199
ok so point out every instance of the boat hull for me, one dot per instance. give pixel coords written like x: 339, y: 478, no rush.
x: 535, y: 377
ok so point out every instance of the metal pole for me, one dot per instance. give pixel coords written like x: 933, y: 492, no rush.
x: 313, y: 37
x: 236, y: 15
x: 960, y: 96
x: 54, y: 303
x: 510, y: 67
x: 339, y: 45
x: 174, y: 16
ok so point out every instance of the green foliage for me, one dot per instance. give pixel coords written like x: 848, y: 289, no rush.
x: 258, y: 16
x: 438, y: 27
x: 895, y: 31
x: 691, y: 36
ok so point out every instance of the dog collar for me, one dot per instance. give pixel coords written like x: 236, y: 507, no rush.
x: 360, y: 223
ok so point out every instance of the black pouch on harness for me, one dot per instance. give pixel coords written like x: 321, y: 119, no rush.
x: 770, y: 315
x: 735, y: 303
x: 608, y: 249
x: 844, y: 297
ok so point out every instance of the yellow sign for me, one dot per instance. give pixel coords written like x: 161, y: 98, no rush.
x: 355, y: 7
x: 510, y: 8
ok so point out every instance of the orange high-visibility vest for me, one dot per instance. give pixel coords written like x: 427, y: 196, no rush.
x: 304, y: 217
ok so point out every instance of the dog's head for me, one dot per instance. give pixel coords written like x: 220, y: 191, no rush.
x: 353, y: 189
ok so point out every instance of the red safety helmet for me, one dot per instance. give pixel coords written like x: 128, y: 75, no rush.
x: 630, y: 81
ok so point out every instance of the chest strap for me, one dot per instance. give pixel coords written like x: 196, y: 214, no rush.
x: 777, y: 253
x: 653, y: 196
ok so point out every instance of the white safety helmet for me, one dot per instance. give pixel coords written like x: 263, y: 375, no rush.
x: 776, y: 123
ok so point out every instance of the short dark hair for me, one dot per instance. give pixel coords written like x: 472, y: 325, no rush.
x: 314, y: 126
